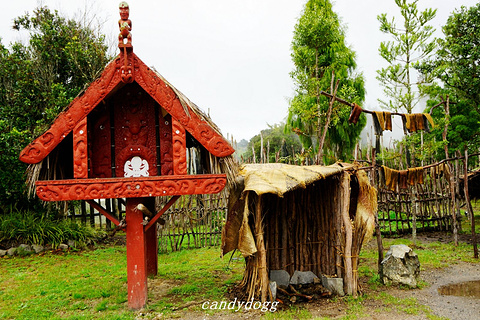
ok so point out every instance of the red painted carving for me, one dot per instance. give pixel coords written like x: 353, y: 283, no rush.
x: 126, y: 70
x: 77, y: 110
x: 134, y: 122
x: 89, y: 189
x: 166, y: 146
x: 136, y: 256
x: 124, y: 24
x: 80, y: 158
x: 100, y: 145
x: 98, y: 90
x: 179, y: 138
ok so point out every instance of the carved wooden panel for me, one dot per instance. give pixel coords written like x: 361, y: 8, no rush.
x: 100, y: 151
x: 166, y: 145
x: 134, y: 122
x: 88, y: 189
x: 80, y: 155
x: 179, y: 138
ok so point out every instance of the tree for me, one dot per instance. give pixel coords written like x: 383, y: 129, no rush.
x: 277, y: 146
x: 456, y: 66
x: 38, y: 80
x: 319, y: 53
x: 410, y: 46
x: 459, y: 54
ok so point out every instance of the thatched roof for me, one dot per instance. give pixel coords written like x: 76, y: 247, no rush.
x: 278, y: 178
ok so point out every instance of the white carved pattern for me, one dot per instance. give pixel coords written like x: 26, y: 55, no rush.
x: 136, y: 167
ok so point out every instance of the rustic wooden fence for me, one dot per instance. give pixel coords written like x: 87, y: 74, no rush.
x: 192, y: 222
x: 427, y: 205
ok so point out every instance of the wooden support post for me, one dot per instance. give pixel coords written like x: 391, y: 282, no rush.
x: 348, y: 280
x: 378, y: 233
x: 261, y: 253
x: 415, y: 212
x: 136, y: 255
x: 151, y: 241
x: 103, y: 211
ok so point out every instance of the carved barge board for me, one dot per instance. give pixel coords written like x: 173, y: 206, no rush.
x: 80, y: 157
x: 108, y: 83
x: 77, y: 110
x: 90, y: 189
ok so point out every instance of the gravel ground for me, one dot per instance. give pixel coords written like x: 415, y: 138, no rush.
x: 451, y: 307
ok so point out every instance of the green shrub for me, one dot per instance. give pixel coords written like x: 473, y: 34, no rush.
x: 29, y: 228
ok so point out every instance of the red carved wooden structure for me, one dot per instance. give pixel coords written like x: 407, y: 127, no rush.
x: 126, y: 136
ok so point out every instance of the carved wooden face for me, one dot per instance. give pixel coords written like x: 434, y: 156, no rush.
x: 124, y: 12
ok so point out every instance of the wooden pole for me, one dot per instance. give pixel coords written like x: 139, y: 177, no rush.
x: 347, y: 224
x: 151, y: 241
x: 136, y: 255
x: 262, y: 257
x: 414, y: 214
x: 469, y: 205
x: 377, y: 225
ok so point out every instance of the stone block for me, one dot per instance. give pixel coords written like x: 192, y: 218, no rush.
x: 400, y: 266
x: 334, y: 285
x: 303, y: 277
x: 25, y: 247
x: 273, y: 289
x: 281, y: 277
x: 11, y: 251
x: 37, y: 248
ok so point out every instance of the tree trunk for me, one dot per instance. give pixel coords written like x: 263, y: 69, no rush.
x: 327, y: 123
x: 469, y: 205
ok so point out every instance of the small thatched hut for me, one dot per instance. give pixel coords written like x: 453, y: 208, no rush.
x: 305, y: 218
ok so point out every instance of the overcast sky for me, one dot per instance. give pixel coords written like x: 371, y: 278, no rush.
x: 232, y: 57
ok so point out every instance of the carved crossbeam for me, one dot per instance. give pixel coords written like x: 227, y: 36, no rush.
x: 157, y: 186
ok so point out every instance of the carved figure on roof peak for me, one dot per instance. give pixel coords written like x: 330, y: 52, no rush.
x: 125, y: 24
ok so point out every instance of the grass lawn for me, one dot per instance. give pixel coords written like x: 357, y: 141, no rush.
x: 92, y: 284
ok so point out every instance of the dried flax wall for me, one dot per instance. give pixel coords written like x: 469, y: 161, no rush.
x: 300, y: 229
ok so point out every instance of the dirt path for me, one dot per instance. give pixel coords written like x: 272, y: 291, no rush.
x: 451, y: 307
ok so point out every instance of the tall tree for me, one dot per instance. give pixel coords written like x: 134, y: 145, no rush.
x: 458, y: 56
x: 38, y: 80
x: 456, y: 65
x: 319, y: 52
x: 411, y: 44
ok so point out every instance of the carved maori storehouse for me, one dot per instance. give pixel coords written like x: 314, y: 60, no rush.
x: 126, y: 136
x: 299, y: 218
